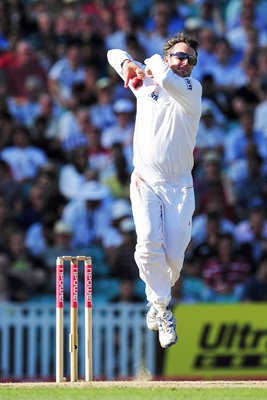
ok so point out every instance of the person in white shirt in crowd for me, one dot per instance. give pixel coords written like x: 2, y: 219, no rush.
x: 102, y: 113
x: 206, y: 54
x: 24, y: 159
x: 162, y: 194
x: 210, y: 135
x: 233, y: 11
x: 74, y: 173
x: 227, y: 71
x: 260, y: 114
x: 73, y: 128
x: 124, y: 26
x: 238, y: 36
x: 122, y: 130
x: 100, y: 158
x: 38, y: 235
x: 236, y: 143
x: 163, y: 22
x: 88, y: 214
x: 64, y: 73
x: 25, y: 110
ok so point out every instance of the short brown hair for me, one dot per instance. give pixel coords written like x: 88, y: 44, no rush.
x: 178, y: 38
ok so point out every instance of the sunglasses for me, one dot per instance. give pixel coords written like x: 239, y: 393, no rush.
x: 192, y: 60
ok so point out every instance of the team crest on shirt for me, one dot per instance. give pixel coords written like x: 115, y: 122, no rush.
x: 188, y: 83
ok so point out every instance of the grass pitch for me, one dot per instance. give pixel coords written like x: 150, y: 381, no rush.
x: 256, y: 390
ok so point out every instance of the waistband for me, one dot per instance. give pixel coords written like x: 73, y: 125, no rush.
x: 184, y: 179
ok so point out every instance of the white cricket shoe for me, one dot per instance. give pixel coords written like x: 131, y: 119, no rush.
x: 166, y: 325
x: 151, y: 318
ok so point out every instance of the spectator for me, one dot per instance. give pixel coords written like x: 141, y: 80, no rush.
x: 7, y: 124
x: 238, y: 36
x: 113, y: 237
x: 5, y: 294
x: 216, y: 100
x: 64, y: 73
x: 74, y: 126
x: 206, y: 54
x: 88, y: 214
x: 74, y: 173
x: 39, y: 235
x: 191, y: 286
x: 102, y: 113
x: 208, y: 247
x: 48, y: 110
x: 262, y: 63
x: 85, y: 90
x: 25, y: 64
x: 127, y: 293
x: 8, y: 186
x: 165, y: 19
x: 24, y: 159
x: 233, y: 13
x: 253, y: 184
x: 124, y: 265
x: 33, y: 205
x: 123, y: 26
x: 61, y: 243
x: 43, y: 37
x: 211, y: 16
x: 122, y: 130
x: 255, y: 288
x: 236, y: 144
x: 213, y: 183
x: 135, y: 48
x: 210, y: 134
x: 27, y: 275
x: 260, y: 116
x: 227, y: 72
x: 226, y: 273
x: 117, y: 175
x: 100, y: 158
x: 248, y: 95
x: 164, y: 22
x: 251, y: 232
x: 7, y: 220
x: 199, y: 226
x: 25, y: 111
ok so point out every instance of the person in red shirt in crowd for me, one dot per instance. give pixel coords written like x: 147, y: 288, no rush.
x: 5, y: 53
x: 24, y: 64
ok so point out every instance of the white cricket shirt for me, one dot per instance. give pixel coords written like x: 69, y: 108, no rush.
x: 167, y: 118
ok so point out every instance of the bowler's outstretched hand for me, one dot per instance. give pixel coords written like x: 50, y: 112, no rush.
x: 131, y: 71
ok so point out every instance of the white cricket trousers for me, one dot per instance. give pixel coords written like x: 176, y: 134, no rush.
x: 162, y: 211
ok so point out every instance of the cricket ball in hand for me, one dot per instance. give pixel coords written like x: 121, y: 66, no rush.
x: 136, y: 82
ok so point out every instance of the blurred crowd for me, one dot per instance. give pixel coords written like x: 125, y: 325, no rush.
x: 66, y: 129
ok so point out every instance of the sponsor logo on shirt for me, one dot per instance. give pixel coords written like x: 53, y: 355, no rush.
x: 153, y: 96
x: 188, y: 83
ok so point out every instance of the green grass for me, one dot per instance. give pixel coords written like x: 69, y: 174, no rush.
x: 86, y: 393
